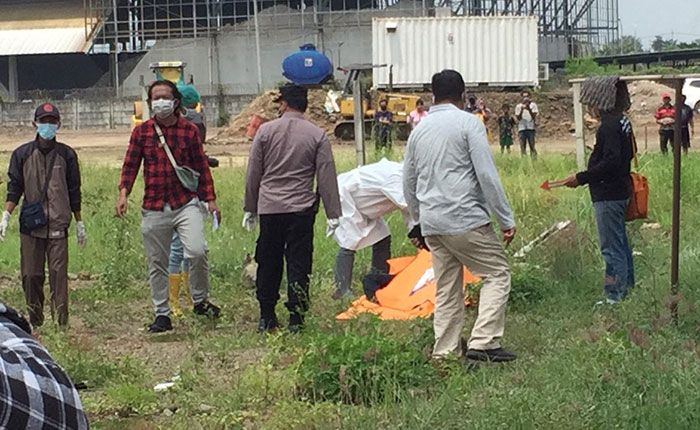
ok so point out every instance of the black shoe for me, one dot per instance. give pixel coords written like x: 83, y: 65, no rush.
x: 268, y: 325
x: 296, y: 323
x: 497, y: 355
x: 160, y: 325
x: 207, y: 309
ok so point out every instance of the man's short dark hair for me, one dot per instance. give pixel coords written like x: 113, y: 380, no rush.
x: 298, y: 103
x: 163, y: 82
x: 448, y: 85
x: 296, y: 96
x: 523, y: 92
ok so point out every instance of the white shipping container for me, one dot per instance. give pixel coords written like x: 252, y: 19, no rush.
x: 495, y: 51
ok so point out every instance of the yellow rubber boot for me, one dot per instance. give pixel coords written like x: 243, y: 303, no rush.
x: 185, y: 282
x: 174, y: 294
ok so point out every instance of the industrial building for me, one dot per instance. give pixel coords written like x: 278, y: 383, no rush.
x: 64, y: 48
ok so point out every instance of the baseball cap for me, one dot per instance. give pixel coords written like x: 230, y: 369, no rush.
x: 665, y: 96
x: 291, y: 91
x: 46, y: 110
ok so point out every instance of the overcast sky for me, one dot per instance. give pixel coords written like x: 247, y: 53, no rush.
x: 679, y: 19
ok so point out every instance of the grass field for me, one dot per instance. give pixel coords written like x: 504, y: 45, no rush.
x: 579, y: 367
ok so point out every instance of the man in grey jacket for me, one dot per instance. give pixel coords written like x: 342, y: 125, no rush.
x: 286, y: 155
x: 451, y: 185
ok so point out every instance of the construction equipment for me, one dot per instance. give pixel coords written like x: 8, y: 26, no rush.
x: 400, y: 105
x: 173, y: 71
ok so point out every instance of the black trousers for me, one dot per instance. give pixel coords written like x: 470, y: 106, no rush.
x: 665, y: 136
x: 283, y: 237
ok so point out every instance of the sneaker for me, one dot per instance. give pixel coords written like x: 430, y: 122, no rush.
x: 207, y: 309
x: 160, y: 325
x: 497, y: 355
x: 268, y: 325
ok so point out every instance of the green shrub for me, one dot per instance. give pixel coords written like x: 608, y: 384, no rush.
x: 528, y: 285
x: 366, y: 368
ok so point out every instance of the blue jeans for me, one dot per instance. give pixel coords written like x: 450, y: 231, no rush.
x: 615, y: 247
x: 177, y: 262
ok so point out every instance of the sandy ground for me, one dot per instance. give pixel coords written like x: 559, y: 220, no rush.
x: 107, y: 147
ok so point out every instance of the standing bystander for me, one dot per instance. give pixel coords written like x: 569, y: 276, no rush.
x: 46, y: 173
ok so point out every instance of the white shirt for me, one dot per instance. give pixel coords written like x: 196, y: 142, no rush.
x: 527, y: 122
x: 368, y: 193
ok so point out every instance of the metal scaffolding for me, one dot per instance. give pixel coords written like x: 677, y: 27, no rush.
x: 140, y: 22
x: 132, y: 25
x: 587, y: 25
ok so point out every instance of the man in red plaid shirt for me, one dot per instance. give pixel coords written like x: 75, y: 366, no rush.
x: 168, y: 206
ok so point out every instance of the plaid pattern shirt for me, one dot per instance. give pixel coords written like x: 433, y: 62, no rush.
x: 35, y: 393
x: 162, y: 184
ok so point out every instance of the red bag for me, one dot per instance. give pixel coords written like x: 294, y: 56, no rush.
x: 638, y: 206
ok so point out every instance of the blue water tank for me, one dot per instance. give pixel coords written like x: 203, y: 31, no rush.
x: 307, y: 66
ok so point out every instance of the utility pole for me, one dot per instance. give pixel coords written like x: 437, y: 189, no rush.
x: 257, y: 45
x: 116, y: 49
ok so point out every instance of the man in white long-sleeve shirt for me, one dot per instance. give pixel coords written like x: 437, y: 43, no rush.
x: 451, y: 185
x: 367, y: 194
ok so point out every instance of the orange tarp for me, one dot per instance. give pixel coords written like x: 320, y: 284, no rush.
x: 409, y: 295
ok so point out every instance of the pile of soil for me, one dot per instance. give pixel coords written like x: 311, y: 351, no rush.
x: 556, y: 119
x: 646, y: 97
x: 265, y: 107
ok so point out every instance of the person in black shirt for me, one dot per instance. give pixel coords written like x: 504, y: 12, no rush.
x: 383, y: 120
x: 506, y: 124
x: 687, y: 126
x: 608, y: 180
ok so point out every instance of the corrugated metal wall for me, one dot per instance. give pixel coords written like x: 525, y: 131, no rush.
x: 498, y: 51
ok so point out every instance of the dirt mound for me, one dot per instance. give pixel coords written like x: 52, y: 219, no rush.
x: 556, y: 118
x: 646, y: 97
x: 265, y: 107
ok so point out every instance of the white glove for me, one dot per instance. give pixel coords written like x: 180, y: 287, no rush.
x: 333, y: 224
x: 81, y: 233
x: 250, y: 221
x: 3, y: 225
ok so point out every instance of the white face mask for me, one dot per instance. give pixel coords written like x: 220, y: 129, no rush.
x: 163, y: 108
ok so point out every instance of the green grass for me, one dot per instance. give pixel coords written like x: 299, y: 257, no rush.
x: 579, y: 367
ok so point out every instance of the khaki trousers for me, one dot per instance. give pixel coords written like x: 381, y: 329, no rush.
x: 157, y: 228
x: 481, y: 251
x: 34, y: 252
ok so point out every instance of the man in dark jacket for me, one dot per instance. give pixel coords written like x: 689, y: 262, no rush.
x: 45, y: 171
x: 608, y: 179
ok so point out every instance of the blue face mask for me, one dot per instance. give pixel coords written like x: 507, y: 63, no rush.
x: 47, y: 131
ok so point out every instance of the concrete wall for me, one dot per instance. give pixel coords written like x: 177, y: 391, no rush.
x: 229, y: 59
x: 111, y: 113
